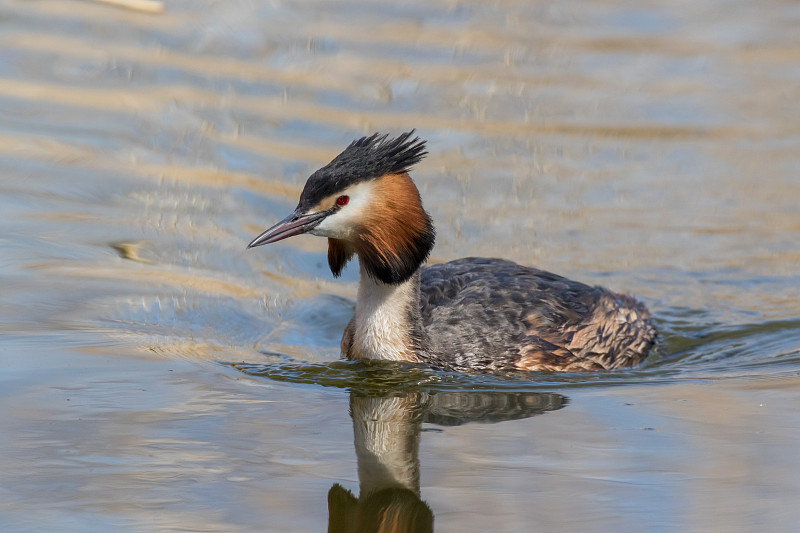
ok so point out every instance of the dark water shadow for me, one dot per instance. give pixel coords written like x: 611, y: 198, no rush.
x: 393, y: 378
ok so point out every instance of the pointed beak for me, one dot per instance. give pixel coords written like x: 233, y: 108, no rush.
x: 295, y: 224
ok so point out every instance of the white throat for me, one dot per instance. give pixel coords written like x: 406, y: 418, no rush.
x: 382, y: 319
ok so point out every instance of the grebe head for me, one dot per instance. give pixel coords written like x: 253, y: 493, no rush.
x: 365, y: 203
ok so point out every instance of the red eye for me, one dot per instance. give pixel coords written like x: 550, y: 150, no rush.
x: 342, y: 200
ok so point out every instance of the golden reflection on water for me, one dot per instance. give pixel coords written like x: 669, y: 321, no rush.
x: 650, y: 148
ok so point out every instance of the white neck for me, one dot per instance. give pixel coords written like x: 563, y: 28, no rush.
x: 383, y: 319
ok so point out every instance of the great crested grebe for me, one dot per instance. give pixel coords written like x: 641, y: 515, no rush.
x: 472, y: 314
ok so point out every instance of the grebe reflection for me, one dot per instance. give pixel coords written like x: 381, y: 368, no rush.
x: 386, y: 434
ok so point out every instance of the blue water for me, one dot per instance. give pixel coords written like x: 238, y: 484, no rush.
x: 157, y: 376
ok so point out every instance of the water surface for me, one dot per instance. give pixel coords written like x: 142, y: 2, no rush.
x: 159, y: 377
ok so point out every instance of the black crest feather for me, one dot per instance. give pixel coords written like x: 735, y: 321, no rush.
x: 365, y: 159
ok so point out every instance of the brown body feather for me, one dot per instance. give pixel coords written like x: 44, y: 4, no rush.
x: 491, y: 314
